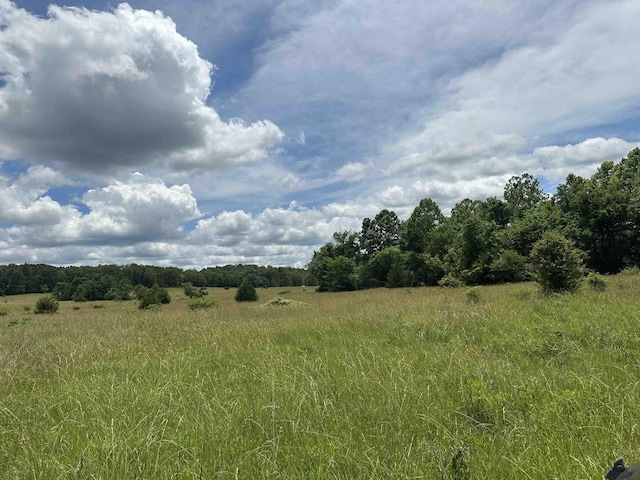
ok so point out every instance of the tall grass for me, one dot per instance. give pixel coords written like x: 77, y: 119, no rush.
x: 370, y: 384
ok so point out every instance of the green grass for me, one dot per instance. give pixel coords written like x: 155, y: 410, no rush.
x: 370, y: 384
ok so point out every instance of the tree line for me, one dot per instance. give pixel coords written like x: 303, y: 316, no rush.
x: 490, y: 241
x: 105, y: 282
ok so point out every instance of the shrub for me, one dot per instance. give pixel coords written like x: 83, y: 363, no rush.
x: 473, y: 294
x: 596, y: 282
x: 556, y: 263
x: 246, y: 292
x: 47, y: 304
x: 202, y: 304
x: 191, y: 291
x: 4, y: 312
x: 283, y: 302
x: 631, y: 271
x: 450, y: 281
x: 152, y: 307
x: 154, y: 296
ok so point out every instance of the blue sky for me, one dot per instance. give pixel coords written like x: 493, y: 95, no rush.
x: 200, y: 133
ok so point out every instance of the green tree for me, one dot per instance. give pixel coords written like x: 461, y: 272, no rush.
x: 339, y: 275
x: 522, y: 193
x: 556, y: 263
x: 380, y: 233
x: 246, y: 292
x: 418, y: 227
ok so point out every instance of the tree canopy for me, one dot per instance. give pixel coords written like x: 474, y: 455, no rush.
x: 491, y: 240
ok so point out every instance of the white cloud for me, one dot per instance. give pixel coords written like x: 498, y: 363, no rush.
x: 102, y: 90
x: 534, y: 90
x: 136, y: 211
x: 353, y: 171
x: 24, y: 201
x: 582, y: 158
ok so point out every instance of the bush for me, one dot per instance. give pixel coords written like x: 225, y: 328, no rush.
x: 283, y: 302
x: 202, y: 304
x: 4, y: 312
x: 556, y: 263
x: 191, y: 291
x: 154, y: 296
x: 450, y: 281
x: 596, y: 282
x: 246, y: 292
x: 47, y: 304
x: 473, y: 294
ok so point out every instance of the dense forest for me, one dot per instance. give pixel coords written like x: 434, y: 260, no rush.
x: 118, y: 282
x: 490, y: 241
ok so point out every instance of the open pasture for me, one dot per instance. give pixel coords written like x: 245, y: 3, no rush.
x: 408, y: 383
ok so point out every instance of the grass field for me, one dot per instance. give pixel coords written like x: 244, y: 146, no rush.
x: 410, y: 383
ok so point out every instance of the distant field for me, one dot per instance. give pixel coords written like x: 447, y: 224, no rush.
x: 409, y: 383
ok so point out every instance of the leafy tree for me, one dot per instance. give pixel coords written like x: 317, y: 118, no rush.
x: 497, y: 211
x: 527, y: 230
x: 475, y: 245
x: 398, y: 275
x: 424, y: 269
x: 246, y: 292
x: 16, y: 282
x: 380, y: 233
x: 339, y: 275
x: 556, y: 263
x: 319, y: 265
x: 416, y: 230
x: 510, y: 266
x: 120, y: 291
x: 521, y: 194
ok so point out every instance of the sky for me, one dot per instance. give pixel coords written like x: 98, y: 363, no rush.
x: 202, y: 133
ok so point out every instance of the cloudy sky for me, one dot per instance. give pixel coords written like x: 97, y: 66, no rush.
x: 200, y: 133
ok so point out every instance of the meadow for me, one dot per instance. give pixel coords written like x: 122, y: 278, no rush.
x: 492, y: 383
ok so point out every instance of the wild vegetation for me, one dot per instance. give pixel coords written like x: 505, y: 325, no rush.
x: 435, y: 383
x: 115, y: 282
x: 490, y: 241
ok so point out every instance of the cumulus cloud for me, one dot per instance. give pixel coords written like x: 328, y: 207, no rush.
x: 273, y: 226
x: 582, y: 158
x: 138, y: 210
x: 97, y: 91
x: 24, y: 201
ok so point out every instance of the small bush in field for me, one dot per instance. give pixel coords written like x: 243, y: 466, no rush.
x: 283, y: 302
x: 596, y: 282
x: 154, y: 296
x: 4, y: 312
x: 47, y: 304
x: 473, y: 294
x: 556, y: 263
x: 202, y: 304
x: 191, y: 291
x: 246, y: 292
